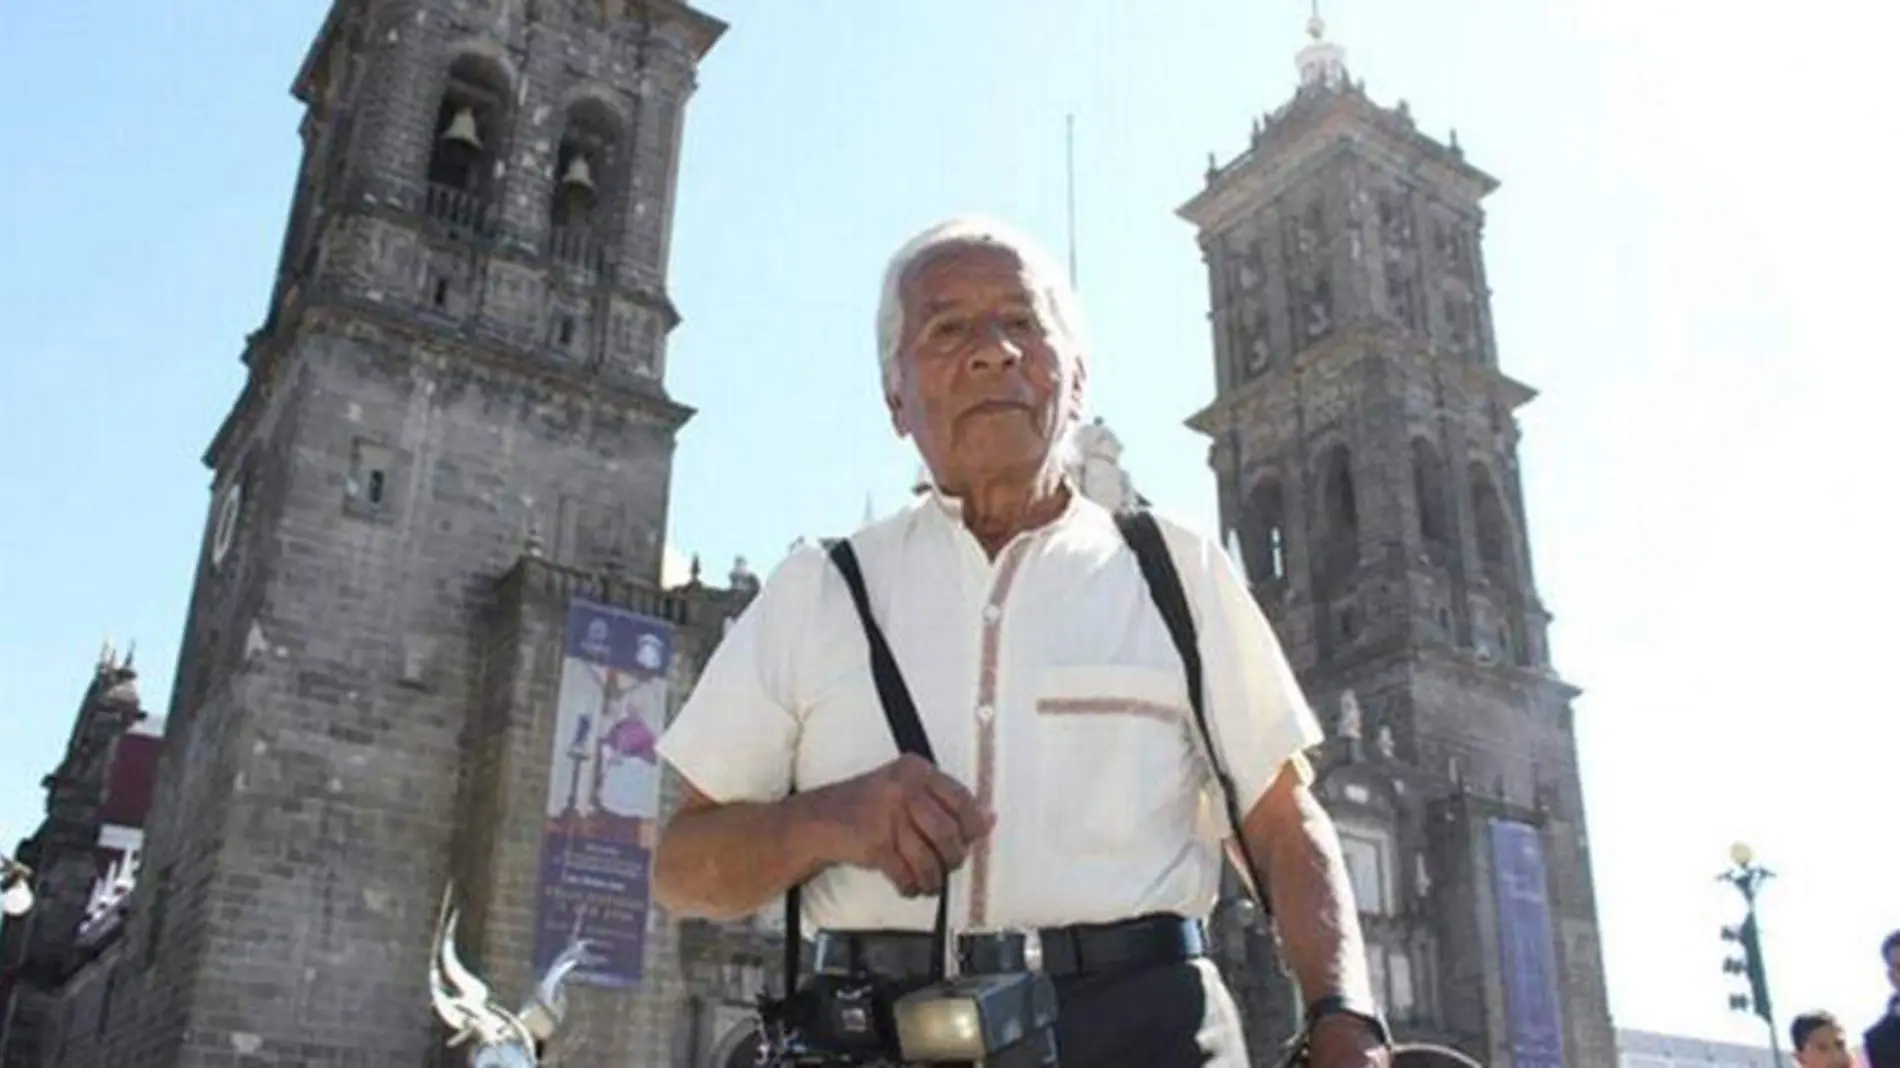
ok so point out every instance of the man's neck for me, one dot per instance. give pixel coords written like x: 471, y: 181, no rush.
x: 997, y: 511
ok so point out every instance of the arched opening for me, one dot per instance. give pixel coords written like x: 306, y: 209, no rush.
x: 582, y: 166
x: 1340, y: 500
x: 1266, y: 548
x: 1428, y: 486
x: 469, y: 128
x: 1493, y: 531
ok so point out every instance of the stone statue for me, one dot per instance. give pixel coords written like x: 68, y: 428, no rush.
x: 1383, y: 740
x: 1097, y: 468
x: 1351, y: 719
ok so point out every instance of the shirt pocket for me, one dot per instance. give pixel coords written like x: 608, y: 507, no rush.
x: 1116, y: 759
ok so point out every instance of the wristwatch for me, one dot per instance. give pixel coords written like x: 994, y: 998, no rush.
x: 1341, y: 1005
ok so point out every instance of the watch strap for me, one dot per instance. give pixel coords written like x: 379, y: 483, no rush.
x: 1341, y: 1005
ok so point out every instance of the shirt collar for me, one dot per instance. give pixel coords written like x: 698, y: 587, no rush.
x: 934, y: 499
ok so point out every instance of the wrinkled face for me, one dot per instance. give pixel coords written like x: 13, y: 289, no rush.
x: 983, y: 386
x: 1893, y: 969
x: 1826, y: 1047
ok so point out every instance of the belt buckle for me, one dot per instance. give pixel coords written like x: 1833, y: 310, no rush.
x: 1032, y: 950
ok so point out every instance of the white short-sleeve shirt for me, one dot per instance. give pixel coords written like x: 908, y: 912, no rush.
x: 1047, y: 683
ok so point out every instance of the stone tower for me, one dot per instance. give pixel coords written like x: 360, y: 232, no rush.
x: 454, y: 420
x: 1365, y: 448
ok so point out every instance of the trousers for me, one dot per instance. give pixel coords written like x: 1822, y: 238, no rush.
x: 1172, y: 1016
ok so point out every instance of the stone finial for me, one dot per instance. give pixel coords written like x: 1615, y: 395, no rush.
x: 694, y: 572
x: 531, y: 546
x: 741, y: 576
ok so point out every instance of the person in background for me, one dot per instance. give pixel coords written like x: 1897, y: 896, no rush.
x: 1881, y: 1043
x: 1819, y: 1041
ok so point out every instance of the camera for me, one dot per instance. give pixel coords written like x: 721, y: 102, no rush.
x: 1005, y: 1020
x: 1002, y: 1020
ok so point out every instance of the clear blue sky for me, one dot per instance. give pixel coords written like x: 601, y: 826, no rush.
x: 1691, y: 253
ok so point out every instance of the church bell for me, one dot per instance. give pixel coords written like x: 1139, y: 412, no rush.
x: 580, y: 174
x: 462, y: 129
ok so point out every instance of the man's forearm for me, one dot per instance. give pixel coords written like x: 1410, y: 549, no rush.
x: 1293, y: 838
x: 721, y: 862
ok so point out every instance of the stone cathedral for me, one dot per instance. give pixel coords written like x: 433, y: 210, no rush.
x: 1364, y: 450
x: 429, y: 642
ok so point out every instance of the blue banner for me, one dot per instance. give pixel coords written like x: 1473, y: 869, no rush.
x: 1532, y: 998
x: 603, y: 803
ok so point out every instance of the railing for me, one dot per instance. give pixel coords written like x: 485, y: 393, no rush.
x: 458, y: 208
x: 577, y: 247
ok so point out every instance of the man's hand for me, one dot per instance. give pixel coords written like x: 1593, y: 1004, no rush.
x: 1343, y: 1042
x: 906, y: 819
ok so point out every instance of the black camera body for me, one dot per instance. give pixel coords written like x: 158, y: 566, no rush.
x: 842, y: 1020
x: 847, y: 1021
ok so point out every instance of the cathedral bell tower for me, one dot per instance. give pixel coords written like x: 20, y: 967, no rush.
x: 1365, y: 449
x: 459, y: 382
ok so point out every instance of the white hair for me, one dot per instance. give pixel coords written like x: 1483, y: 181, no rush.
x: 1049, y: 287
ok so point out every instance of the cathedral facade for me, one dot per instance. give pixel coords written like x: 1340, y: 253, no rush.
x: 428, y: 644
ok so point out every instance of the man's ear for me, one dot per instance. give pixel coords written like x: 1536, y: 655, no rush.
x: 895, y: 404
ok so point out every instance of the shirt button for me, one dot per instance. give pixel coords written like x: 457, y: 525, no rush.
x: 991, y: 613
x: 985, y: 713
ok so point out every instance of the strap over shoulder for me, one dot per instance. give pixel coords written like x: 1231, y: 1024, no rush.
x: 1143, y: 535
x: 907, y: 730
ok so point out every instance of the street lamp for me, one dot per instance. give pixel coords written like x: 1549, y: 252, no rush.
x: 16, y: 887
x: 1747, y: 876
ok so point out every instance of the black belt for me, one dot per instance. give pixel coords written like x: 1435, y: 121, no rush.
x: 1060, y: 952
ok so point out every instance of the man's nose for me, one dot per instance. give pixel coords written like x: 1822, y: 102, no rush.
x: 994, y: 346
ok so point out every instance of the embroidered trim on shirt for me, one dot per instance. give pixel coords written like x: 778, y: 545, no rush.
x: 986, y: 726
x: 1108, y: 706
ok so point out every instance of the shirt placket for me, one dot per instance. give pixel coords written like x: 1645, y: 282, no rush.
x: 1004, y: 576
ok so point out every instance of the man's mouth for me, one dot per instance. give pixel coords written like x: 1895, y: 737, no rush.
x: 991, y: 407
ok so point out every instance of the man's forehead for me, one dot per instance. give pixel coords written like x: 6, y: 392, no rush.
x: 960, y: 298
x: 969, y: 261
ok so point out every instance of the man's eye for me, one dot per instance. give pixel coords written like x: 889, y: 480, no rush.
x: 945, y: 328
x: 1022, y: 323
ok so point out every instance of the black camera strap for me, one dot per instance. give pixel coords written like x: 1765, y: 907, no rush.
x: 900, y: 712
x: 1143, y: 536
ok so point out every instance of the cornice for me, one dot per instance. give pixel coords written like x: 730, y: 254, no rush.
x: 413, y: 341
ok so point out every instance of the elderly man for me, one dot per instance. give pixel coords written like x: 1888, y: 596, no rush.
x: 1067, y: 795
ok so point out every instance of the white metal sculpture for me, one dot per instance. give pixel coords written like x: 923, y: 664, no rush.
x: 503, y: 1038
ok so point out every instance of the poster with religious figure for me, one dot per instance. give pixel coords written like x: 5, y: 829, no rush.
x: 603, y: 800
